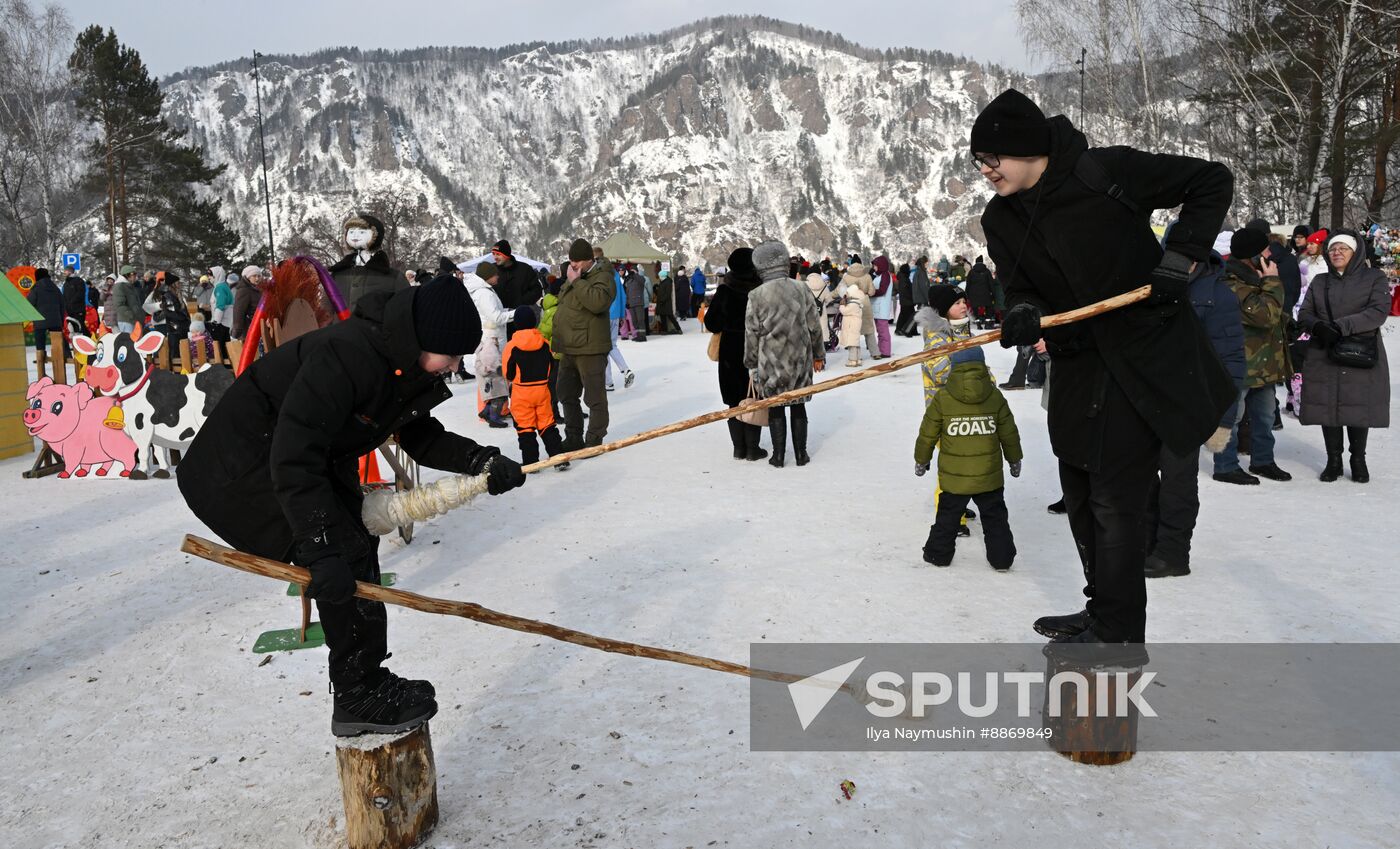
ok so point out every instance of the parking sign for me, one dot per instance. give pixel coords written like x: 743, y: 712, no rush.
x: 73, y: 261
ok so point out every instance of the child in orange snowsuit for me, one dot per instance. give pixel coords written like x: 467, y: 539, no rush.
x: 527, y: 363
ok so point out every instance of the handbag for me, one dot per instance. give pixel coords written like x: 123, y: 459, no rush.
x: 713, y: 350
x: 1357, y: 350
x: 759, y: 417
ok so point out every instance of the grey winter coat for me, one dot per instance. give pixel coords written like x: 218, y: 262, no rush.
x: 783, y: 335
x: 918, y: 281
x: 1334, y: 395
x: 126, y: 300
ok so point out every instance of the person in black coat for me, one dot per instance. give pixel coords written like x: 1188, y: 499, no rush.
x: 1175, y: 502
x: 77, y: 295
x: 1065, y: 233
x: 979, y: 295
x: 45, y: 297
x: 274, y: 469
x: 904, y: 289
x: 517, y: 283
x: 725, y: 316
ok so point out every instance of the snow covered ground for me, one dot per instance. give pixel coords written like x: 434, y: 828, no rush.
x: 137, y: 715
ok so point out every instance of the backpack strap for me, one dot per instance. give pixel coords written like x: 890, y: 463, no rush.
x: 1091, y: 173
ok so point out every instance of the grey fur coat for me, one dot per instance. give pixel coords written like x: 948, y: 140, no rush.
x: 783, y: 335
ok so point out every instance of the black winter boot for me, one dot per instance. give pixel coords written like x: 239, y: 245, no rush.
x: 777, y: 431
x: 1356, y: 436
x: 1332, y: 438
x: 736, y: 436
x: 799, y: 435
x: 381, y: 704
x: 1058, y: 627
x: 529, y: 447
x: 753, y: 434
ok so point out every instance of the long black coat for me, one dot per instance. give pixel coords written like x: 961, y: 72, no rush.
x: 276, y: 461
x: 1084, y: 246
x: 725, y: 316
x: 979, y: 288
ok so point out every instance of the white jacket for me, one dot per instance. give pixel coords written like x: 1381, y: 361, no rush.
x: 494, y: 317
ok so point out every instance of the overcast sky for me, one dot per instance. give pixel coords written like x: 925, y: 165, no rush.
x: 174, y: 36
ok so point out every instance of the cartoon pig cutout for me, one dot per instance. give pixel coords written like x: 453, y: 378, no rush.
x: 70, y: 420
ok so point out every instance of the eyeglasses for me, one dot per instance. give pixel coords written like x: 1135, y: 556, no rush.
x: 991, y: 160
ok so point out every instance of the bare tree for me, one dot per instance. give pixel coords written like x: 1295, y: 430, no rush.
x: 38, y: 156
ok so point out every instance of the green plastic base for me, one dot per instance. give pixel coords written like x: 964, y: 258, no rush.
x: 289, y: 640
x: 386, y: 579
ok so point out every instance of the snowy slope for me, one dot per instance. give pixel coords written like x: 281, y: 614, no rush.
x: 698, y: 139
x: 127, y: 666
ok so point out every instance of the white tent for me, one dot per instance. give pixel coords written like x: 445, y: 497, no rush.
x: 470, y: 265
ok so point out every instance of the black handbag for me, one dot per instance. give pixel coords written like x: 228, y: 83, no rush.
x: 1355, y: 351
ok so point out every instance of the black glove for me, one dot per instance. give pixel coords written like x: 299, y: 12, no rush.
x: 502, y: 475
x: 1171, y: 278
x: 1326, y: 333
x: 332, y: 579
x: 479, y: 460
x: 920, y: 469
x: 1015, y: 468
x: 1020, y: 326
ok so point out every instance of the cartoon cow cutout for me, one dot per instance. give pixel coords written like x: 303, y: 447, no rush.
x: 74, y: 424
x: 162, y: 409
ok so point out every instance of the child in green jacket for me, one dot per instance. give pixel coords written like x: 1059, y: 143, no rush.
x: 972, y: 426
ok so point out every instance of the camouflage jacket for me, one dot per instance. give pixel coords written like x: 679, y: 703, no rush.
x: 1265, y: 337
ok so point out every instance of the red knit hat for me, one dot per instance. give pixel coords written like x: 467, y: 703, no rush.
x: 1318, y: 238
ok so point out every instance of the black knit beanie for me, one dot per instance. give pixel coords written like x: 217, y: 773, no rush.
x: 942, y: 298
x: 444, y: 318
x: 1302, y: 230
x: 1011, y: 125
x: 1247, y: 243
x: 525, y: 318
x: 446, y: 266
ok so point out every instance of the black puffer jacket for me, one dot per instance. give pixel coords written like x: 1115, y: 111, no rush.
x: 48, y: 300
x: 1084, y: 246
x: 277, y: 460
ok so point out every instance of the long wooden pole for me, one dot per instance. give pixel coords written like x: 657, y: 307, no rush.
x: 467, y: 610
x: 1057, y: 320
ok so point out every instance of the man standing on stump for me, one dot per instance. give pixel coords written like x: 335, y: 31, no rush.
x: 1070, y: 226
x: 273, y: 470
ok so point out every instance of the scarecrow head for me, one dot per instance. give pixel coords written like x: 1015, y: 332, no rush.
x: 363, y: 232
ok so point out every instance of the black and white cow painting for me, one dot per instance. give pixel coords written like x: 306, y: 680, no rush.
x: 163, y: 409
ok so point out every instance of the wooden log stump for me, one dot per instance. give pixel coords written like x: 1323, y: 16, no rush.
x: 1097, y: 726
x: 389, y: 786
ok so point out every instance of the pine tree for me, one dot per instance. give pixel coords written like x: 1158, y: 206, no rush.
x: 148, y: 176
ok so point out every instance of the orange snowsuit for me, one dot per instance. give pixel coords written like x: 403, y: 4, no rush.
x: 527, y: 363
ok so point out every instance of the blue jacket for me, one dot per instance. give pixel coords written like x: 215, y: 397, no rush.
x: 697, y: 282
x: 1218, y: 309
x: 619, y: 304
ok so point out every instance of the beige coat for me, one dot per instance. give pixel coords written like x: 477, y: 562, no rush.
x: 853, y: 314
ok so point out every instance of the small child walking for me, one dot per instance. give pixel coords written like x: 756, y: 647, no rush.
x: 971, y: 424
x: 852, y: 315
x: 528, y: 363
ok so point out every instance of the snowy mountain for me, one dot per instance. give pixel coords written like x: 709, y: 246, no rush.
x: 699, y: 139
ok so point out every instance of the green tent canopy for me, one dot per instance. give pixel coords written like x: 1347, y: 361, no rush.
x: 624, y: 247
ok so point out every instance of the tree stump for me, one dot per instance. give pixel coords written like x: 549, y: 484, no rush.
x: 389, y: 786
x: 1091, y: 727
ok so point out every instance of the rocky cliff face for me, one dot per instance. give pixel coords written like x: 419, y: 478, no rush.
x: 698, y: 141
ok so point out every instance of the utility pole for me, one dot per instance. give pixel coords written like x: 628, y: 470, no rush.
x: 1082, y: 53
x: 262, y: 149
